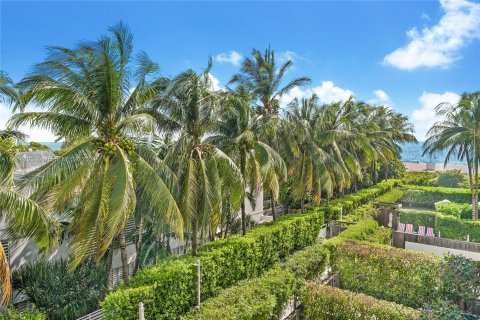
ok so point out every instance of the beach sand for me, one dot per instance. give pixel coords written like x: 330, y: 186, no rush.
x: 426, y: 167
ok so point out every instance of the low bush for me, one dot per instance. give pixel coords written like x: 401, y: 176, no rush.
x: 380, y: 236
x: 60, y: 293
x: 259, y: 298
x: 309, y: 263
x: 325, y: 302
x: 421, y: 178
x: 458, y: 210
x: 392, y: 274
x: 452, y: 179
x: 457, y: 229
x: 13, y: 314
x: 426, y: 197
x: 418, y: 217
x: 393, y: 196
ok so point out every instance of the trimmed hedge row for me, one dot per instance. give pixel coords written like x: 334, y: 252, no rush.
x: 13, y: 314
x: 325, y: 303
x: 168, y: 289
x: 458, y: 210
x: 449, y: 227
x: 397, y: 275
x: 426, y: 197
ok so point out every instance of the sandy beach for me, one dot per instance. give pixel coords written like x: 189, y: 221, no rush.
x: 425, y: 167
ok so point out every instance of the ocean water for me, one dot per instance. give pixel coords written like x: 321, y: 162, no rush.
x: 53, y: 145
x: 412, y: 152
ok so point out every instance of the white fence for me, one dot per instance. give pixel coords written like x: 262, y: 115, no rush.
x: 95, y: 315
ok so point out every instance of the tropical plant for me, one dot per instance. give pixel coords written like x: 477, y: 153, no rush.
x: 203, y: 169
x: 237, y: 133
x: 104, y: 176
x: 59, y: 293
x: 458, y: 133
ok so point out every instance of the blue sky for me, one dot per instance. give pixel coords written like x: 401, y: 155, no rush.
x: 410, y: 55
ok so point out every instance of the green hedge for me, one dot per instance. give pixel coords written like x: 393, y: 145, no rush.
x: 449, y: 227
x: 259, y: 298
x: 397, y: 275
x: 420, y: 196
x: 13, y: 314
x: 458, y: 210
x: 392, y: 196
x: 418, y: 217
x: 168, y: 289
x: 326, y: 303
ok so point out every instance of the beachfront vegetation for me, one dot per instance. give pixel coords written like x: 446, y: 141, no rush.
x: 459, y: 134
x: 178, y: 157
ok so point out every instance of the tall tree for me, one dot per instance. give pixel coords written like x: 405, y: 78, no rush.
x: 458, y: 133
x: 202, y: 168
x: 92, y: 102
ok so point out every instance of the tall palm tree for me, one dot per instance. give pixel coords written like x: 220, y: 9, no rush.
x: 459, y: 134
x: 238, y: 134
x: 312, y: 168
x: 202, y: 169
x: 92, y: 103
x: 264, y: 77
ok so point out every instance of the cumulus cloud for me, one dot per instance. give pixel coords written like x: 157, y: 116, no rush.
x: 381, y: 98
x: 34, y: 134
x: 424, y: 117
x: 439, y: 45
x: 215, y: 82
x: 328, y: 92
x: 232, y: 57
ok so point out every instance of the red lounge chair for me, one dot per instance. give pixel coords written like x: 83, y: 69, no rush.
x: 421, y: 230
x: 409, y: 228
x: 430, y: 232
x: 401, y: 227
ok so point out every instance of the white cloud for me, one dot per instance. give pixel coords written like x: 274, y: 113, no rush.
x: 381, y: 98
x: 284, y: 56
x: 34, y: 134
x: 439, y: 45
x: 328, y: 92
x: 215, y: 83
x: 232, y: 57
x: 424, y: 117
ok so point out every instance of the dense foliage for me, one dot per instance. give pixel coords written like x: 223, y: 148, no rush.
x: 325, y: 303
x: 13, y: 314
x: 457, y: 210
x: 397, y: 275
x: 449, y: 179
x: 60, y: 293
x: 418, y: 217
x: 426, y: 197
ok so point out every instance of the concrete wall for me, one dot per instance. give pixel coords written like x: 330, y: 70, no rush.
x: 257, y: 212
x: 441, y: 251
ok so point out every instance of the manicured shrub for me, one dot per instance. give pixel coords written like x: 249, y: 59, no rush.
x: 426, y: 197
x: 380, y: 236
x: 259, y: 298
x: 393, y: 196
x: 458, y: 210
x: 325, y: 302
x: 60, y: 293
x: 421, y: 178
x: 13, y: 314
x: 418, y: 217
x: 309, y: 263
x: 452, y: 179
x: 392, y: 274
x: 458, y: 229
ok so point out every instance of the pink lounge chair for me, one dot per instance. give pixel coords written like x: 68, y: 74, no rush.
x: 430, y: 232
x: 409, y: 228
x: 401, y: 227
x: 421, y: 230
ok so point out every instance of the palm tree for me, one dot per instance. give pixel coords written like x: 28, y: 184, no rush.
x: 238, y: 135
x: 264, y: 78
x: 202, y: 169
x: 91, y: 102
x: 312, y: 168
x: 459, y: 134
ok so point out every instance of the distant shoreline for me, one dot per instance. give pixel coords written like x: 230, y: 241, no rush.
x: 430, y: 167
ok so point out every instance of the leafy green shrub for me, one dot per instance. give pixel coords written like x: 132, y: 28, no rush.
x: 452, y: 179
x: 170, y: 287
x: 380, y: 236
x: 458, y: 210
x: 325, y: 302
x: 426, y: 197
x: 393, y: 196
x: 259, y: 298
x: 309, y: 263
x: 59, y: 293
x: 442, y: 310
x: 13, y: 314
x: 421, y: 178
x: 418, y: 217
x: 392, y: 169
x: 457, y: 229
x: 392, y: 274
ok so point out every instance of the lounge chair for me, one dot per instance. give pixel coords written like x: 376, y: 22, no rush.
x: 401, y: 227
x: 409, y: 228
x: 430, y: 232
x: 421, y: 230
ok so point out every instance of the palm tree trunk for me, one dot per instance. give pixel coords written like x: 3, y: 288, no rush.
x: 475, y: 191
x: 302, y: 203
x: 272, y: 204
x: 123, y: 256
x: 244, y: 218
x: 242, y: 207
x: 194, y: 237
x: 138, y: 246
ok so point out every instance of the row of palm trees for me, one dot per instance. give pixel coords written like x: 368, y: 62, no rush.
x: 458, y: 134
x: 175, y: 152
